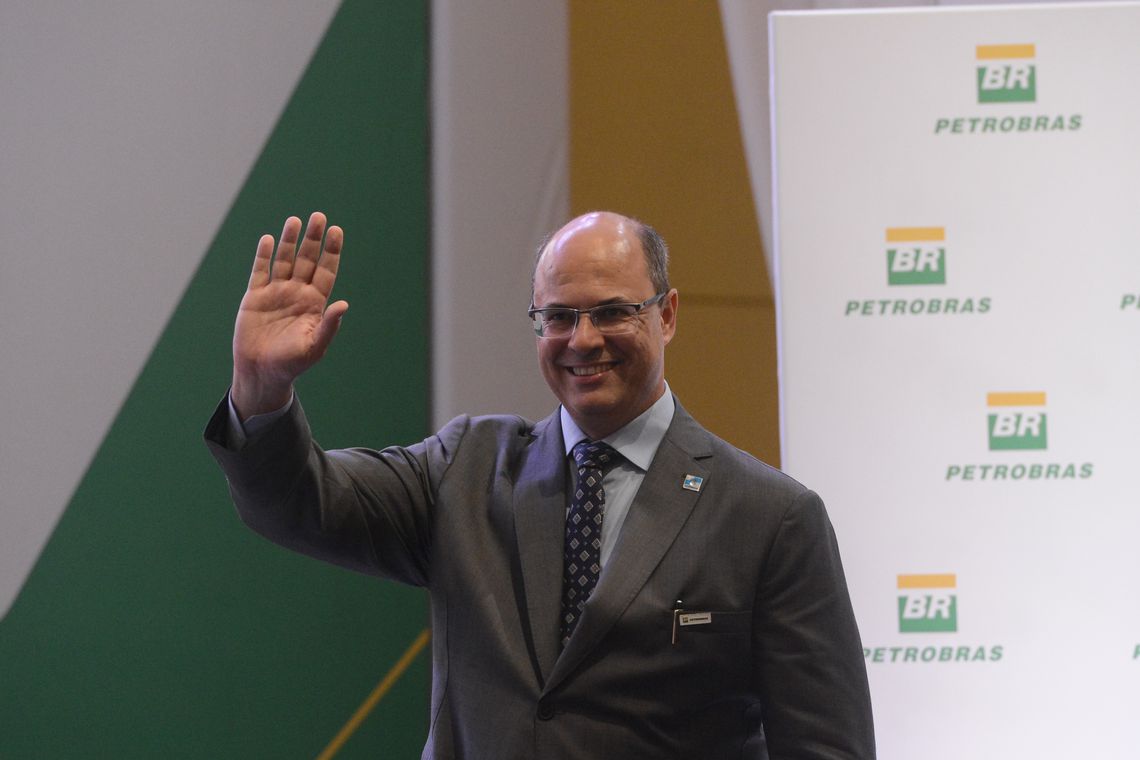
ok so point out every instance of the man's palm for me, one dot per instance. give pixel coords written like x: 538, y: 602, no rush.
x: 276, y: 327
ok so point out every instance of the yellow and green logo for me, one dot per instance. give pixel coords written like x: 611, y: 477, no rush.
x: 1007, y: 73
x: 915, y: 259
x: 928, y: 604
x: 1016, y: 420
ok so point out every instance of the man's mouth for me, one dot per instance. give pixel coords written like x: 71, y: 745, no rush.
x: 590, y: 369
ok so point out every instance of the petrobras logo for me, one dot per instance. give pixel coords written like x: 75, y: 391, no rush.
x: 1005, y: 78
x: 915, y: 256
x: 1017, y: 423
x: 1130, y: 301
x: 928, y: 604
x: 1006, y: 73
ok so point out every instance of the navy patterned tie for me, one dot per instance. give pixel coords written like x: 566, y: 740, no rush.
x: 582, y: 554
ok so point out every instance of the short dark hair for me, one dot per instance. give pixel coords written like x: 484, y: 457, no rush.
x: 656, y: 255
x: 652, y: 245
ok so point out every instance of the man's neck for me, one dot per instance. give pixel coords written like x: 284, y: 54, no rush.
x: 649, y: 425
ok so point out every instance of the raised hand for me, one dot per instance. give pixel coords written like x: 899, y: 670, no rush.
x: 283, y: 326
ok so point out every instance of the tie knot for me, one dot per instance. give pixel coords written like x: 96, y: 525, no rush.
x: 595, y: 455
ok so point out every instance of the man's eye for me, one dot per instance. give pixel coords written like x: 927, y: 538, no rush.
x: 558, y: 317
x: 613, y: 313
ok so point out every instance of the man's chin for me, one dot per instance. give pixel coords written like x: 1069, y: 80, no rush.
x: 588, y: 409
x: 596, y: 416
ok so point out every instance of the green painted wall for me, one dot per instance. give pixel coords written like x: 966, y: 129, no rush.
x: 155, y: 624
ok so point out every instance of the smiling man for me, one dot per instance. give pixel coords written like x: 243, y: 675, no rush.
x: 604, y: 374
x: 611, y: 582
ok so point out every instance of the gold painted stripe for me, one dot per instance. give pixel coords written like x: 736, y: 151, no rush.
x: 944, y: 580
x: 381, y: 689
x: 908, y: 234
x: 1022, y: 398
x: 990, y: 52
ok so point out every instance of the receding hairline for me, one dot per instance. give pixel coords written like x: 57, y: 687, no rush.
x: 653, y: 248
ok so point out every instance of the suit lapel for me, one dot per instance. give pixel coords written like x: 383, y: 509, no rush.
x: 540, y: 518
x: 659, y: 511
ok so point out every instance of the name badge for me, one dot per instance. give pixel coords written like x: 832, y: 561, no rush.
x: 696, y: 618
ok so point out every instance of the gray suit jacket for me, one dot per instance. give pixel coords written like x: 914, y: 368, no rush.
x: 475, y: 514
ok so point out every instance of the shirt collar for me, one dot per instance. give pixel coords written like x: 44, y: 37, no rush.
x: 638, y: 440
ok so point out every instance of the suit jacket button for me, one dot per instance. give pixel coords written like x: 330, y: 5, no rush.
x: 545, y: 711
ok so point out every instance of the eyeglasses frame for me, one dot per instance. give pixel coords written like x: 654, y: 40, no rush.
x: 533, y: 313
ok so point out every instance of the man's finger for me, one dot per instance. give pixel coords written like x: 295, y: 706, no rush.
x: 327, y: 329
x: 283, y: 261
x: 259, y: 277
x: 310, y: 250
x: 325, y: 274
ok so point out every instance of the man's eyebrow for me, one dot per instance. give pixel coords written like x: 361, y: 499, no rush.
x: 607, y: 302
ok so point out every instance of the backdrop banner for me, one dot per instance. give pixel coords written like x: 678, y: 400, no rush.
x: 957, y: 225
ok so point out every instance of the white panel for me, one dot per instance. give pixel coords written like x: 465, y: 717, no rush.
x: 126, y: 134
x: 746, y: 39
x: 881, y: 123
x: 500, y: 180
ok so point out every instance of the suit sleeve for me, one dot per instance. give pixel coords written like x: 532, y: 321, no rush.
x: 363, y: 509
x: 809, y: 667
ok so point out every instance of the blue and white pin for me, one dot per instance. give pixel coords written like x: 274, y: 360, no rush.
x: 692, y: 483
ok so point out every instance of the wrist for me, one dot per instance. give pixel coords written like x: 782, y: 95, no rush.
x: 251, y: 397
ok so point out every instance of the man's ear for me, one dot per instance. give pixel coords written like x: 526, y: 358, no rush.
x: 669, y: 315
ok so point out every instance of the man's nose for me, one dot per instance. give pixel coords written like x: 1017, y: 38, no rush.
x: 585, y: 337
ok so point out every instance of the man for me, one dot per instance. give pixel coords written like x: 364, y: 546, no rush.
x: 707, y: 618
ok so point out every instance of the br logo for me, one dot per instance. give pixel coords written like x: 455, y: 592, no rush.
x: 1007, y: 74
x: 1016, y: 420
x: 913, y: 260
x: 928, y: 604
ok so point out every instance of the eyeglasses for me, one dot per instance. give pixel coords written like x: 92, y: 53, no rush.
x: 608, y: 318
